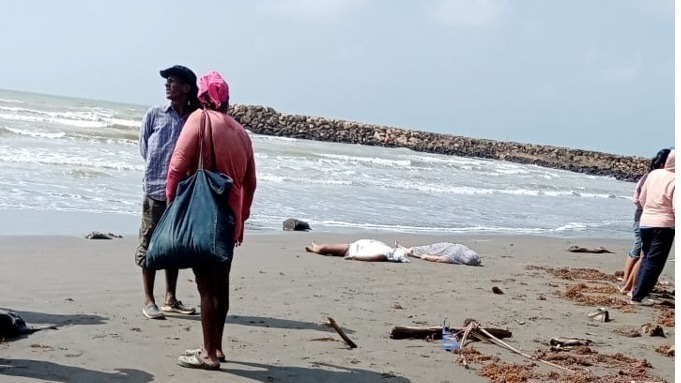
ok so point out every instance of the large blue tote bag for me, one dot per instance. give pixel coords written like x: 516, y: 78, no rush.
x: 197, y: 229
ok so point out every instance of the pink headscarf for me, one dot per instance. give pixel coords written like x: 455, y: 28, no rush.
x: 215, y: 88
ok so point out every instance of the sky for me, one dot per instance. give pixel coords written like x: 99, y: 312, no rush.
x: 586, y: 74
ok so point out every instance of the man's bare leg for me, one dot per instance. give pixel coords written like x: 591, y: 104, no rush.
x: 148, y: 278
x: 171, y: 286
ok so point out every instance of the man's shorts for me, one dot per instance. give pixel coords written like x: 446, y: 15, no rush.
x: 152, y: 211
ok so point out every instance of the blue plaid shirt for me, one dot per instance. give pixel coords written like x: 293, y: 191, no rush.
x: 160, y: 129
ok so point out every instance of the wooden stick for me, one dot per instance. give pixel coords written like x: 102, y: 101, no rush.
x: 340, y: 332
x: 463, y: 342
x: 405, y: 332
x: 507, y: 346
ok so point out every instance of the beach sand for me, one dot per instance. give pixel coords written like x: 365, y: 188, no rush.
x: 281, y: 297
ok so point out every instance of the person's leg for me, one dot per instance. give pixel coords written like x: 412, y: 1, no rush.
x: 172, y: 304
x: 171, y: 286
x: 630, y: 282
x: 152, y: 211
x: 634, y: 254
x: 367, y: 258
x: 657, y: 243
x: 435, y: 258
x: 223, y: 308
x: 148, y: 278
x: 628, y: 267
x: 207, y: 286
x: 337, y: 250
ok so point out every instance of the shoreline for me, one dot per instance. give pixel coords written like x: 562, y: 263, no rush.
x: 281, y: 296
x: 18, y: 222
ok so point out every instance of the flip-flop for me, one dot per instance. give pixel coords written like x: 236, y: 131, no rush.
x: 195, y: 351
x: 197, y: 362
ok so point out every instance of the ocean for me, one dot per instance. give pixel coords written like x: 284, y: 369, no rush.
x: 71, y: 166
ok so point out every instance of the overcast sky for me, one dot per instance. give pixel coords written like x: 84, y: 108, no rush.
x: 591, y: 74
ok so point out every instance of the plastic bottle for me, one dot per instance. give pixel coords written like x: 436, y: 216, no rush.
x: 450, y: 341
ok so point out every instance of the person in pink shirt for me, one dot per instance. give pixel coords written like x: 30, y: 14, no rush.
x: 633, y: 263
x: 231, y: 153
x: 657, y: 228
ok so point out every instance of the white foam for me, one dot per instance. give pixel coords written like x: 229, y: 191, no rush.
x: 60, y: 121
x: 70, y: 159
x: 92, y: 118
x: 295, y: 180
x: 34, y: 133
x: 373, y: 160
x: 124, y: 122
x: 572, y: 226
x: 261, y: 137
x: 430, y: 229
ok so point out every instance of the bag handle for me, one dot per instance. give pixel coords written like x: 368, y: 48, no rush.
x: 205, y: 122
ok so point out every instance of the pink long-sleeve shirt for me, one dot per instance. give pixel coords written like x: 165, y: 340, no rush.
x: 233, y: 157
x: 657, y: 196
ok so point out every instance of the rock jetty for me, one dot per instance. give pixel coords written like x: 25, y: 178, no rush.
x: 267, y: 121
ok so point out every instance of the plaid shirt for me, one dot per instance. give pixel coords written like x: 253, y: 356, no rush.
x: 160, y: 129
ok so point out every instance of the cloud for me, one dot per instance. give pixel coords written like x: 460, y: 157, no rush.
x: 623, y: 73
x: 471, y: 13
x: 309, y: 10
x: 662, y: 10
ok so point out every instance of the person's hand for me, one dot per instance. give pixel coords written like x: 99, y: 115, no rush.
x: 239, y: 239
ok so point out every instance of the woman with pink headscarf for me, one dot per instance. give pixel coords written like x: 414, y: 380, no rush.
x: 227, y: 150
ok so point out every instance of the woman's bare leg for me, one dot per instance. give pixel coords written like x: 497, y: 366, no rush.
x: 206, y: 281
x: 628, y: 266
x: 223, y: 308
x: 337, y: 249
x: 630, y: 282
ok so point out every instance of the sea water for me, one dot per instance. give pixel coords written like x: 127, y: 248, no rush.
x: 70, y: 166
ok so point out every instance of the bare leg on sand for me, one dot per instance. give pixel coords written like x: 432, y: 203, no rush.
x: 337, y: 250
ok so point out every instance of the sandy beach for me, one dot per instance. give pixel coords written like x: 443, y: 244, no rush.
x: 281, y: 297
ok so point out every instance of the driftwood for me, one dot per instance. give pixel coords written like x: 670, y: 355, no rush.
x: 340, y: 332
x: 579, y: 249
x: 473, y: 329
x: 435, y: 332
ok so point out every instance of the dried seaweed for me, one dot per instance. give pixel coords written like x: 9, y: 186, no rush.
x: 628, y: 331
x: 507, y: 373
x: 667, y: 317
x: 586, y: 295
x: 580, y: 273
x: 666, y: 349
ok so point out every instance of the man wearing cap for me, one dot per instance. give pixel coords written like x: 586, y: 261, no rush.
x: 159, y: 132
